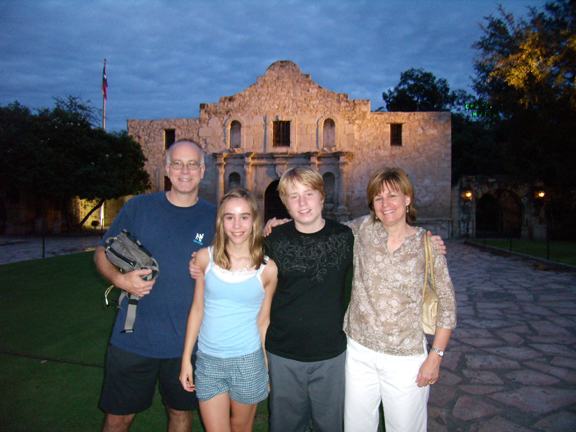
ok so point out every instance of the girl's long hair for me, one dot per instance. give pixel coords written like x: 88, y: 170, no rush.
x: 221, y: 258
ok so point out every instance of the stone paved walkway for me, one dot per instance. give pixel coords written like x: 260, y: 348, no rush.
x: 14, y: 249
x: 511, y: 363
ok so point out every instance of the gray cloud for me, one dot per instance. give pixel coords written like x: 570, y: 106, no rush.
x: 166, y: 57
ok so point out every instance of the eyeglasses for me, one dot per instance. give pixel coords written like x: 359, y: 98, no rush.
x: 192, y: 166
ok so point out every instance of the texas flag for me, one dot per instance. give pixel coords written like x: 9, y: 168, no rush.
x: 104, y: 82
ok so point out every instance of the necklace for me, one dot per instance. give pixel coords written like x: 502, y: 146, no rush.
x: 243, y: 269
x: 247, y: 268
x: 234, y: 272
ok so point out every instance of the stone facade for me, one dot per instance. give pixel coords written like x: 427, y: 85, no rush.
x: 285, y: 120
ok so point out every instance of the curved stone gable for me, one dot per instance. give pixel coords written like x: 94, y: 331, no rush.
x: 283, y: 89
x: 283, y: 68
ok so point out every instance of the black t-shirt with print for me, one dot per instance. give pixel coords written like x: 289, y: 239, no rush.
x: 309, y: 304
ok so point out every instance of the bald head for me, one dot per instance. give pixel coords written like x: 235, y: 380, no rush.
x: 184, y: 142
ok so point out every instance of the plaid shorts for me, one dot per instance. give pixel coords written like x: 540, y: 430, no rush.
x: 245, y: 378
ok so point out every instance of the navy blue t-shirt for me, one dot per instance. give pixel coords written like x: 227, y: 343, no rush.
x: 171, y: 234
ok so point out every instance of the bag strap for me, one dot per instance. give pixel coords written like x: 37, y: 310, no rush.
x: 131, y: 312
x: 132, y: 304
x: 429, y: 264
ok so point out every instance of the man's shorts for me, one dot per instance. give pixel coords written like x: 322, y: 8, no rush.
x: 245, y: 378
x: 130, y: 382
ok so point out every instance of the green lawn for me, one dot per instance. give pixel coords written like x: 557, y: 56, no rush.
x: 53, y: 308
x: 55, y: 330
x: 560, y: 251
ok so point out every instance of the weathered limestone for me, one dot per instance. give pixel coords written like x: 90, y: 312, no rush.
x: 359, y: 142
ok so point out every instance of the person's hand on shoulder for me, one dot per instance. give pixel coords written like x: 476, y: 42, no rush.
x: 438, y: 243
x: 271, y: 224
x: 199, y: 263
x: 194, y: 270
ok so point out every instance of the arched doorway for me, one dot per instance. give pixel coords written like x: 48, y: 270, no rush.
x: 273, y: 206
x: 512, y: 212
x: 330, y: 187
x: 499, y: 214
x: 488, y: 217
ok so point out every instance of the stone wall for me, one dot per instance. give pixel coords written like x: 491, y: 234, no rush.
x: 361, y: 143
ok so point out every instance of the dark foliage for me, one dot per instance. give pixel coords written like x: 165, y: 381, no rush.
x: 58, y: 154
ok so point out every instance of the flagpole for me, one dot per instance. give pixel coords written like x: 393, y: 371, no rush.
x: 104, y: 96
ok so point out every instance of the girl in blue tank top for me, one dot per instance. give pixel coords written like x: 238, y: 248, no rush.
x: 229, y: 318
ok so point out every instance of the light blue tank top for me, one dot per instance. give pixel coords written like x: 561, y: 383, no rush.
x: 229, y: 326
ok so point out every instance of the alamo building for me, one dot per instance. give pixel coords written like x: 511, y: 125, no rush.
x: 285, y: 120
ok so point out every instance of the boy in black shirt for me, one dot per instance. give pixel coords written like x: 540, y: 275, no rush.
x: 305, y: 342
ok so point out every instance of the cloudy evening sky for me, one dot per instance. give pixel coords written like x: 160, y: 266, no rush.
x: 165, y: 57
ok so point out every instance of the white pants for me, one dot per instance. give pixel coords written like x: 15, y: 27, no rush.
x: 372, y: 377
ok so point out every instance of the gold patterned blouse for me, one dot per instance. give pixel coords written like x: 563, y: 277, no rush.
x: 385, y: 311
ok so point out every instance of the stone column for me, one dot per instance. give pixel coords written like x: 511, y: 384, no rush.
x: 342, y: 185
x: 220, y: 165
x: 249, y: 173
x: 280, y: 165
x: 342, y: 213
x: 314, y: 160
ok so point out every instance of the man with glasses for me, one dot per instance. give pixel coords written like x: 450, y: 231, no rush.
x: 171, y: 225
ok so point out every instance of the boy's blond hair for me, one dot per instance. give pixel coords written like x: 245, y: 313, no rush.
x: 306, y: 176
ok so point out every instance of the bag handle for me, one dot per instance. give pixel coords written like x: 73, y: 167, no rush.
x: 429, y: 264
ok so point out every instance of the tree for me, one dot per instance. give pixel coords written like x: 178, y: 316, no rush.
x: 419, y: 90
x: 474, y: 151
x: 56, y: 155
x: 526, y: 72
x: 15, y: 120
x: 115, y: 170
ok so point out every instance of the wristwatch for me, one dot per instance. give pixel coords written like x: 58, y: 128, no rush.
x: 438, y: 351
